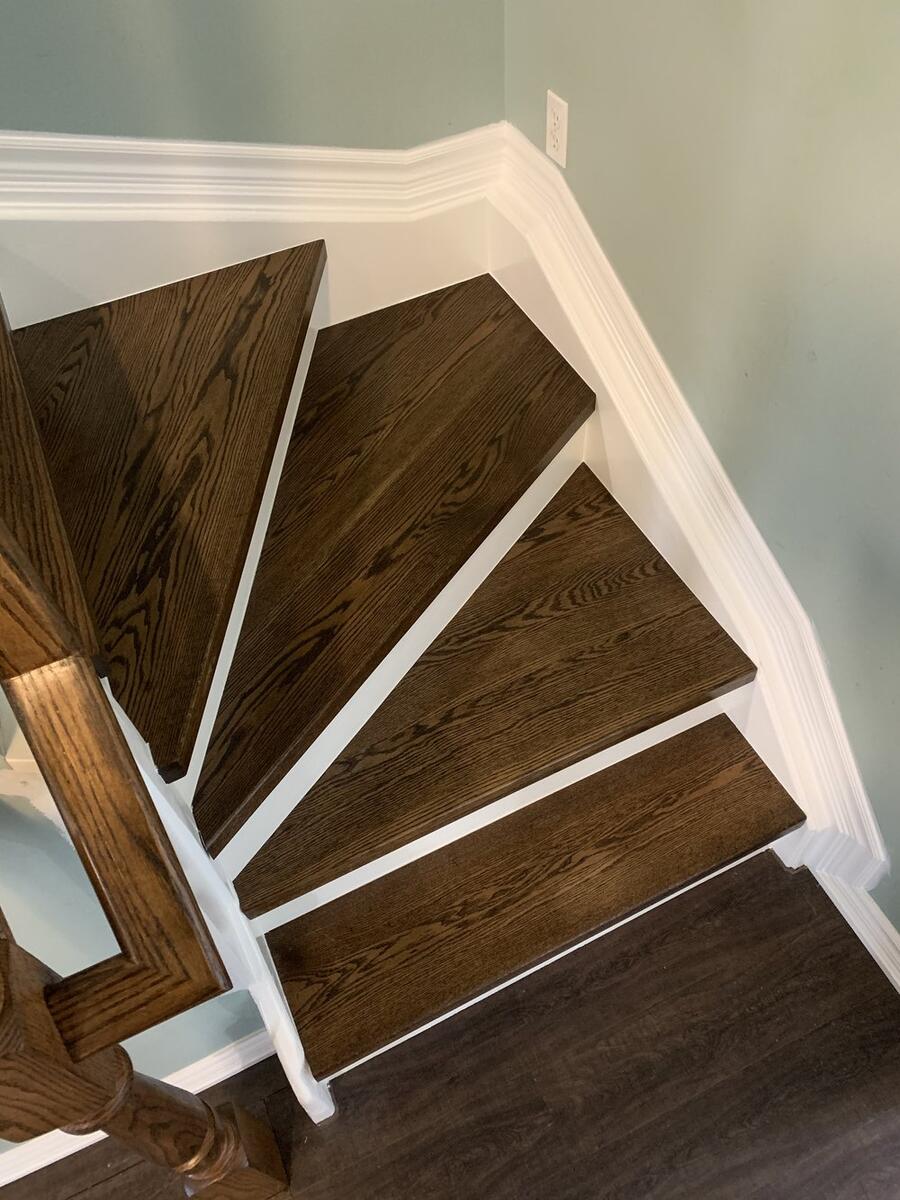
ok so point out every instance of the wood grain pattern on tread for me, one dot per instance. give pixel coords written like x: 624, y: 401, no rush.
x: 581, y: 637
x: 159, y: 415
x: 390, y: 956
x: 421, y: 425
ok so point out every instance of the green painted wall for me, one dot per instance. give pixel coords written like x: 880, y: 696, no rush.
x: 738, y: 162
x: 385, y: 73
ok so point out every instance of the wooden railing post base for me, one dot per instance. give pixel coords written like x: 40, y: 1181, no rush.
x: 221, y: 1154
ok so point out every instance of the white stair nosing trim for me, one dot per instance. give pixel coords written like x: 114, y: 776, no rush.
x: 495, y: 811
x: 546, y: 962
x: 205, y: 1073
x: 289, y: 792
x: 867, y: 921
x: 187, y: 785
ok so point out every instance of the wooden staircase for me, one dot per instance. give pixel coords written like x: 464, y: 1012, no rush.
x: 517, y: 791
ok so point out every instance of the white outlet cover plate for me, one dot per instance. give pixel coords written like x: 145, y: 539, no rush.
x: 557, y: 127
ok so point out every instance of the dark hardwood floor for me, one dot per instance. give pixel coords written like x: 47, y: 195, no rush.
x: 420, y: 427
x: 581, y: 637
x: 159, y: 415
x: 737, y: 1043
x: 369, y: 967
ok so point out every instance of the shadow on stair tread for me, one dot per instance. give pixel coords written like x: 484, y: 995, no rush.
x: 580, y: 638
x: 420, y: 427
x: 380, y: 961
x: 159, y: 415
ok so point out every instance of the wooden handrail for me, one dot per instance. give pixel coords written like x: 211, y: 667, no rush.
x: 168, y: 961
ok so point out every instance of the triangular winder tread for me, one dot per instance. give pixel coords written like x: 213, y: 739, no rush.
x: 159, y: 415
x: 580, y: 638
x: 420, y: 427
x: 386, y: 958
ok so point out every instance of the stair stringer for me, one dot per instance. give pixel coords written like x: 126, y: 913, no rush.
x: 245, y: 957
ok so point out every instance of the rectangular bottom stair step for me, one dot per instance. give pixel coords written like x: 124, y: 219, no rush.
x: 385, y: 959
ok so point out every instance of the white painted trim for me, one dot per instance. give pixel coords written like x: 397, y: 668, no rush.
x: 495, y: 811
x: 867, y: 921
x: 204, y: 1073
x: 72, y: 177
x: 290, y: 791
x: 246, y: 959
x: 753, y: 594
x: 187, y: 785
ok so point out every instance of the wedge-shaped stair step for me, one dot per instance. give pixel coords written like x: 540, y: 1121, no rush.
x: 421, y: 425
x: 159, y: 415
x: 581, y: 637
x: 378, y: 962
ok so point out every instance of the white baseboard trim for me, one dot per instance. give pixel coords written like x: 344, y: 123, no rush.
x: 867, y: 921
x: 45, y: 176
x: 214, y: 1068
x: 710, y: 539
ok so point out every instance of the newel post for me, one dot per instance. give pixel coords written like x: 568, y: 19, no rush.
x: 221, y: 1154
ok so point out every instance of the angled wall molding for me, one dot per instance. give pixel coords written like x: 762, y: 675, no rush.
x: 581, y: 305
x: 73, y: 177
x: 713, y: 529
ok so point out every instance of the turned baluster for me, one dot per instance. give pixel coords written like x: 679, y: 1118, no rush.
x: 221, y: 1154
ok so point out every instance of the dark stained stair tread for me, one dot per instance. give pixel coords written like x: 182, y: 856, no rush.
x: 159, y: 415
x: 581, y: 637
x: 386, y: 958
x: 421, y: 425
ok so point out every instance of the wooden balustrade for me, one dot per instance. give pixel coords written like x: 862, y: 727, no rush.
x: 60, y: 1065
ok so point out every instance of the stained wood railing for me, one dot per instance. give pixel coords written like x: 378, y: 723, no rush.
x: 60, y: 1065
x: 168, y: 961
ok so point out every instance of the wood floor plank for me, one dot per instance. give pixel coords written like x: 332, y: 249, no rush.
x: 737, y: 1043
x: 421, y: 426
x: 159, y: 415
x: 581, y: 637
x: 369, y: 967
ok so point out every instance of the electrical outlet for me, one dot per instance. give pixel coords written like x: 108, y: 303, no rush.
x: 557, y: 127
